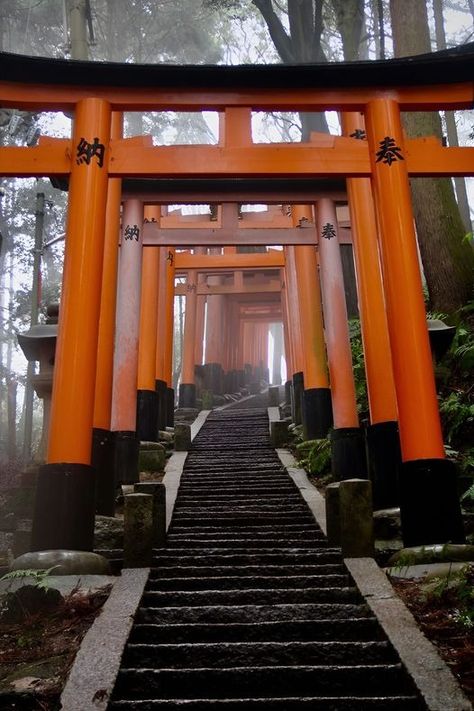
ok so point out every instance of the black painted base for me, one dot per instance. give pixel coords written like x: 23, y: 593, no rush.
x: 316, y: 413
x: 187, y: 395
x: 288, y: 392
x: 147, y: 415
x: 297, y: 401
x: 64, y: 508
x: 384, y: 459
x: 429, y: 503
x: 161, y: 388
x: 214, y: 378
x: 103, y: 458
x: 348, y: 457
x: 169, y: 407
x: 127, y: 448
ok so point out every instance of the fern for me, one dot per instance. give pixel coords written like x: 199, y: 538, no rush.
x: 40, y: 578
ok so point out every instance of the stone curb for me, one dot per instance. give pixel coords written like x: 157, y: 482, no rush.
x: 95, y: 668
x: 433, y: 678
x: 174, y: 468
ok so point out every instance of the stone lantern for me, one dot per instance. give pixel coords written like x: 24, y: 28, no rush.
x: 39, y: 344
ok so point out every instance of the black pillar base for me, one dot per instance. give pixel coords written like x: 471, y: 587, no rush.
x: 169, y: 407
x: 384, y: 459
x: 429, y: 503
x: 288, y: 392
x: 348, y: 457
x: 64, y: 508
x: 147, y: 415
x: 161, y: 387
x: 187, y: 395
x: 214, y: 378
x: 127, y: 448
x: 298, y: 389
x: 103, y: 458
x: 316, y: 413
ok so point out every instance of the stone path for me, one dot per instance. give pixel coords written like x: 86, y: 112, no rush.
x: 247, y: 607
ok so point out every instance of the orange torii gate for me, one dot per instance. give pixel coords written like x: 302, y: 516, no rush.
x: 95, y: 154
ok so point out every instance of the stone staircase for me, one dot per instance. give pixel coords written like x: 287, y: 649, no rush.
x: 247, y: 607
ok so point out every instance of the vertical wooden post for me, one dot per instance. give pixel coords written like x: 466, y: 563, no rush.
x: 296, y: 376
x: 316, y: 403
x: 161, y: 385
x: 147, y: 397
x: 429, y: 503
x: 103, y: 449
x: 169, y: 335
x: 64, y: 513
x: 124, y: 393
x: 348, y: 450
x: 383, y: 441
x: 187, y: 388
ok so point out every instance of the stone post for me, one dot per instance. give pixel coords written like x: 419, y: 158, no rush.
x: 138, y: 531
x: 158, y: 491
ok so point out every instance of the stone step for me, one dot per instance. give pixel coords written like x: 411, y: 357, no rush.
x: 242, y: 544
x: 241, y: 556
x: 241, y: 520
x: 233, y: 509
x: 196, y: 571
x: 251, y: 613
x: 269, y: 528
x: 326, y: 703
x: 255, y: 596
x: 186, y: 533
x: 262, y: 682
x: 257, y: 654
x: 349, y: 629
x: 242, y: 582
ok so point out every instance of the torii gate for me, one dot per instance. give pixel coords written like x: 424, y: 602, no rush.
x: 92, y: 91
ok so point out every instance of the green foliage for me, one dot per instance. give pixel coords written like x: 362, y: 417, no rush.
x: 358, y: 366
x: 316, y: 456
x: 40, y: 578
x: 457, y: 412
x: 456, y: 589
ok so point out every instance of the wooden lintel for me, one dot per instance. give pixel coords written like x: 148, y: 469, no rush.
x: 212, y: 262
x: 203, y: 289
x: 187, y: 236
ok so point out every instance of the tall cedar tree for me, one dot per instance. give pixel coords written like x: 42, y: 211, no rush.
x: 448, y: 259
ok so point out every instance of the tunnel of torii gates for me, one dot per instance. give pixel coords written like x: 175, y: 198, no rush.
x: 94, y: 389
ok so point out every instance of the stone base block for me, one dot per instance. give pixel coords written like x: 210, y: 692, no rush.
x: 64, y: 507
x: 429, y: 505
x: 147, y: 415
x: 103, y: 461
x: 182, y: 437
x: 348, y: 457
x: 187, y: 395
x: 384, y: 459
x: 127, y: 447
x: 316, y: 413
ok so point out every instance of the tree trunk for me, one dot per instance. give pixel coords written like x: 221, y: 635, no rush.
x: 451, y: 128
x: 448, y: 262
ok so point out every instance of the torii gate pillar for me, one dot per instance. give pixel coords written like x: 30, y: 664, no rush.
x: 429, y: 503
x: 65, y: 498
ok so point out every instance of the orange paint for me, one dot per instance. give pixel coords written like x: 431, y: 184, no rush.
x: 147, y: 345
x: 311, y: 314
x: 373, y: 317
x: 70, y: 434
x: 420, y: 429
x: 335, y: 319
x: 105, y: 345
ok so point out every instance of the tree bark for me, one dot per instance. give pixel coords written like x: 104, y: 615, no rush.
x: 448, y: 262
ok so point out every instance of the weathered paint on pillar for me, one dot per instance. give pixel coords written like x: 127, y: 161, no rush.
x: 293, y: 309
x: 286, y: 329
x: 335, y: 318
x: 105, y: 344
x: 311, y: 315
x: 124, y: 397
x: 373, y: 317
x: 187, y: 373
x: 169, y: 312
x: 161, y: 315
x: 70, y: 434
x: 147, y: 345
x: 419, y: 423
x: 214, y: 322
